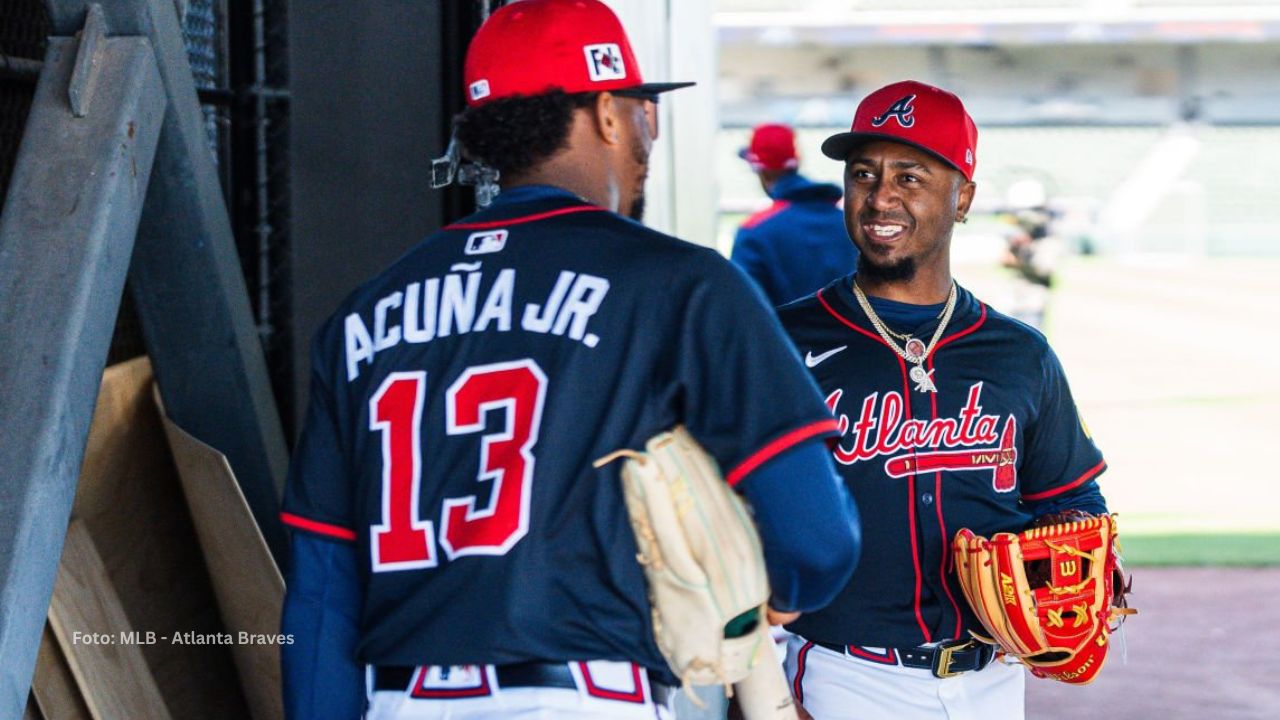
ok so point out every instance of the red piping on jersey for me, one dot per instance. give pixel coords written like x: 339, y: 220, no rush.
x: 635, y: 696
x: 788, y: 440
x: 1086, y: 477
x: 981, y: 319
x: 911, y: 509
x: 848, y: 322
x: 911, y: 483
x: 523, y: 218
x: 946, y: 552
x: 759, y: 217
x: 942, y: 525
x: 890, y: 656
x: 796, y: 689
x: 316, y: 526
x: 937, y: 481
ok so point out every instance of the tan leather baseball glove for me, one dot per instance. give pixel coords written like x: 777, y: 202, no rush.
x: 705, y: 569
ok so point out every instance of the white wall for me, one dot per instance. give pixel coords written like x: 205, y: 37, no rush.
x: 675, y: 40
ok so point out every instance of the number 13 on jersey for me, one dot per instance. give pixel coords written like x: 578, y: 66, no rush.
x: 403, y: 540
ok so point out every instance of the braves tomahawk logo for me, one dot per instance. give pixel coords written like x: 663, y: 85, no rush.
x: 901, y: 110
x: 915, y: 446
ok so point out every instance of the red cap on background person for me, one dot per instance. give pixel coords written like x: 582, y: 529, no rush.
x: 535, y: 46
x: 916, y: 114
x: 773, y: 147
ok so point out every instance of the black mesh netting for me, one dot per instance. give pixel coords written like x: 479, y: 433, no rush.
x: 246, y: 112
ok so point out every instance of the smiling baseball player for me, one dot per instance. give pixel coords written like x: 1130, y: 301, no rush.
x: 456, y: 555
x: 952, y: 415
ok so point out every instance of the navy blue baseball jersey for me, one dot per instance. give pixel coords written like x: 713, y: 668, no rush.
x: 1000, y: 434
x: 797, y: 245
x: 459, y: 399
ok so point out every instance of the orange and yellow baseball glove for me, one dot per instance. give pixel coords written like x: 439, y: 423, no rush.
x: 1049, y: 595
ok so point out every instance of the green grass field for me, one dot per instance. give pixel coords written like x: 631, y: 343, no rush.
x: 1175, y: 367
x: 1201, y: 549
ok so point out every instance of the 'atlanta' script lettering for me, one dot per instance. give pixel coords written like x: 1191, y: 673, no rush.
x: 887, y: 431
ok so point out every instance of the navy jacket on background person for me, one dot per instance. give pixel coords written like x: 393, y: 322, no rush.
x: 797, y: 245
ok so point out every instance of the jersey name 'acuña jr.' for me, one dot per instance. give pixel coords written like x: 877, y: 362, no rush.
x: 458, y: 401
x: 1001, y: 432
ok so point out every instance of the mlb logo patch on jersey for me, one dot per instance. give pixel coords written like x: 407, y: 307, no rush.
x: 479, y: 89
x: 604, y: 62
x: 483, y: 243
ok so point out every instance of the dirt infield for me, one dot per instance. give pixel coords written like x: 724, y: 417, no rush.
x: 1205, y: 645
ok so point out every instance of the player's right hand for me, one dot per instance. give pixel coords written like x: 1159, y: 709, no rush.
x: 777, y: 617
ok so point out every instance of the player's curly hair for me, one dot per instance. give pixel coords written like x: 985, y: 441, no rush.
x: 516, y: 133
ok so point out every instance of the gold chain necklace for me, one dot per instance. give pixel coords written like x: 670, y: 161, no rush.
x: 915, y: 351
x: 906, y: 337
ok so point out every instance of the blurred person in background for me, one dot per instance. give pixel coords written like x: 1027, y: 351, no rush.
x: 1034, y: 251
x: 798, y: 244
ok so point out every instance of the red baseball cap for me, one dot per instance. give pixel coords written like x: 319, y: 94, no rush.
x: 534, y: 46
x: 773, y: 147
x: 916, y: 114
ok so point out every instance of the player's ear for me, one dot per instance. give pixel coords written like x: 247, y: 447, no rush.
x: 608, y: 119
x: 964, y: 197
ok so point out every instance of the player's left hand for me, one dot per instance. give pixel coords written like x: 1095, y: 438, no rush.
x: 777, y: 617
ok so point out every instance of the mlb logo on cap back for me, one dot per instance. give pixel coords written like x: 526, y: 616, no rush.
x: 533, y: 47
x: 916, y: 114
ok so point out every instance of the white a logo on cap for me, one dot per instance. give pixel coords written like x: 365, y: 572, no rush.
x: 901, y: 110
x: 604, y: 62
x: 479, y: 89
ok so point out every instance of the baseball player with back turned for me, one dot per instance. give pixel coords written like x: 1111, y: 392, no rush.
x: 952, y: 415
x: 798, y: 244
x: 455, y: 553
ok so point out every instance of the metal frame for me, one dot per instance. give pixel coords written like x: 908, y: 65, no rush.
x: 114, y: 178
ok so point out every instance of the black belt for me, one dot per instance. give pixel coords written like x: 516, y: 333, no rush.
x: 526, y: 674
x: 944, y: 660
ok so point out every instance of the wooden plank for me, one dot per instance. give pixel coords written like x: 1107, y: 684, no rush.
x: 130, y: 500
x: 33, y: 710
x: 248, y: 585
x: 89, y: 623
x: 53, y: 686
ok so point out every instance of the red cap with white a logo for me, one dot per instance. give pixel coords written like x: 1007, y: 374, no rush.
x: 532, y: 47
x: 917, y: 114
